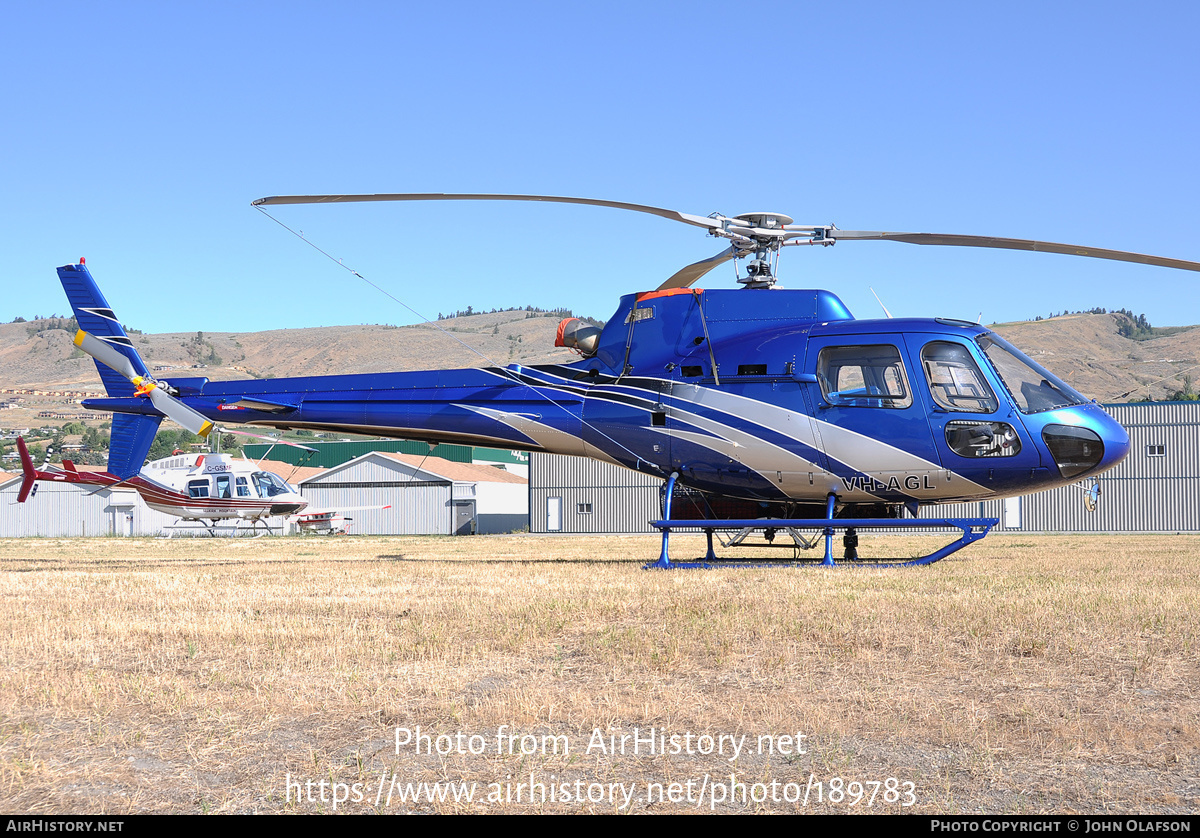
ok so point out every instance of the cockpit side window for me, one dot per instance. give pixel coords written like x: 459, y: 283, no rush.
x: 955, y: 380
x: 198, y: 488
x: 863, y: 376
x: 1032, y: 387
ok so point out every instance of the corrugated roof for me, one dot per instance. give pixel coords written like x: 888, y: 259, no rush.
x: 444, y: 469
x: 458, y: 472
x: 332, y: 454
x: 293, y: 474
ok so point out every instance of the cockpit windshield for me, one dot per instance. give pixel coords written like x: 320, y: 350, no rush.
x: 1032, y: 387
x: 269, y: 485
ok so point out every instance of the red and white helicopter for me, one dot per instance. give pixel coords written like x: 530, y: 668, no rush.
x: 205, y: 488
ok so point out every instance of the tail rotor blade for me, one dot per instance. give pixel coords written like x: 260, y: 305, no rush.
x: 179, y: 413
x: 163, y: 401
x: 106, y: 354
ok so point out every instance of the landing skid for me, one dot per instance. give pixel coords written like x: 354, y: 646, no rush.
x: 972, y: 529
x: 218, y: 529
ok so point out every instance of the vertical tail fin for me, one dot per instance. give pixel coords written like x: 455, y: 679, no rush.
x: 96, y: 317
x: 121, y: 369
x: 132, y: 435
x: 130, y: 442
x: 28, y: 472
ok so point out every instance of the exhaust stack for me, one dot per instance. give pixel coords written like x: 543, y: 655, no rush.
x: 575, y: 334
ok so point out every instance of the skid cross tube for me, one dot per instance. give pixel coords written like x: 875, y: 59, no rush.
x: 973, y: 529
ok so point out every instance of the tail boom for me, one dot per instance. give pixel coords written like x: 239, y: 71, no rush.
x: 30, y: 475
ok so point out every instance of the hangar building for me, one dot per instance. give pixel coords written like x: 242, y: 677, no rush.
x: 428, y: 495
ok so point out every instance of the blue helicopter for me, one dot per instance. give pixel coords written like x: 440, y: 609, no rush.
x: 765, y: 408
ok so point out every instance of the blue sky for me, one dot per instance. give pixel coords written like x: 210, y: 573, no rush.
x: 137, y: 134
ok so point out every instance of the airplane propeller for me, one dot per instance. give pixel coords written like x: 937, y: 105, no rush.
x: 758, y: 234
x: 156, y: 391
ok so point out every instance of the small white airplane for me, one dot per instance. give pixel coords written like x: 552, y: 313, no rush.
x: 207, y: 488
x: 324, y: 522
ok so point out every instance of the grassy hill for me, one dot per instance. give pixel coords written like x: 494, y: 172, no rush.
x: 1087, y: 352
x: 49, y: 359
x: 1084, y: 349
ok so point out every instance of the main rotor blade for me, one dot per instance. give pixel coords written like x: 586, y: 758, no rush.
x: 163, y: 401
x: 1012, y: 244
x: 685, y: 277
x: 673, y: 215
x: 269, y: 439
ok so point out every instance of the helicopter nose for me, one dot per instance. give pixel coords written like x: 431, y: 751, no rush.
x: 288, y: 504
x: 1092, y: 442
x: 1115, y: 439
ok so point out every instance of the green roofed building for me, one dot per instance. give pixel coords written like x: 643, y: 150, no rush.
x: 334, y: 454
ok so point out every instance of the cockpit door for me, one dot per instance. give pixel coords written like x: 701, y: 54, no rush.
x: 978, y: 431
x: 872, y: 426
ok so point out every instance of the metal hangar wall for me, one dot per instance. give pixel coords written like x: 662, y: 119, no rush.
x: 578, y: 495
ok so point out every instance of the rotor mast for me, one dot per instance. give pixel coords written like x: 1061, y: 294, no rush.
x: 757, y: 235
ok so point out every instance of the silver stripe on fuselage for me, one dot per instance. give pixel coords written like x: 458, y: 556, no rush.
x: 551, y: 439
x: 874, y: 458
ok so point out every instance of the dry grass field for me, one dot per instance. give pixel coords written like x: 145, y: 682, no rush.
x: 1026, y: 674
